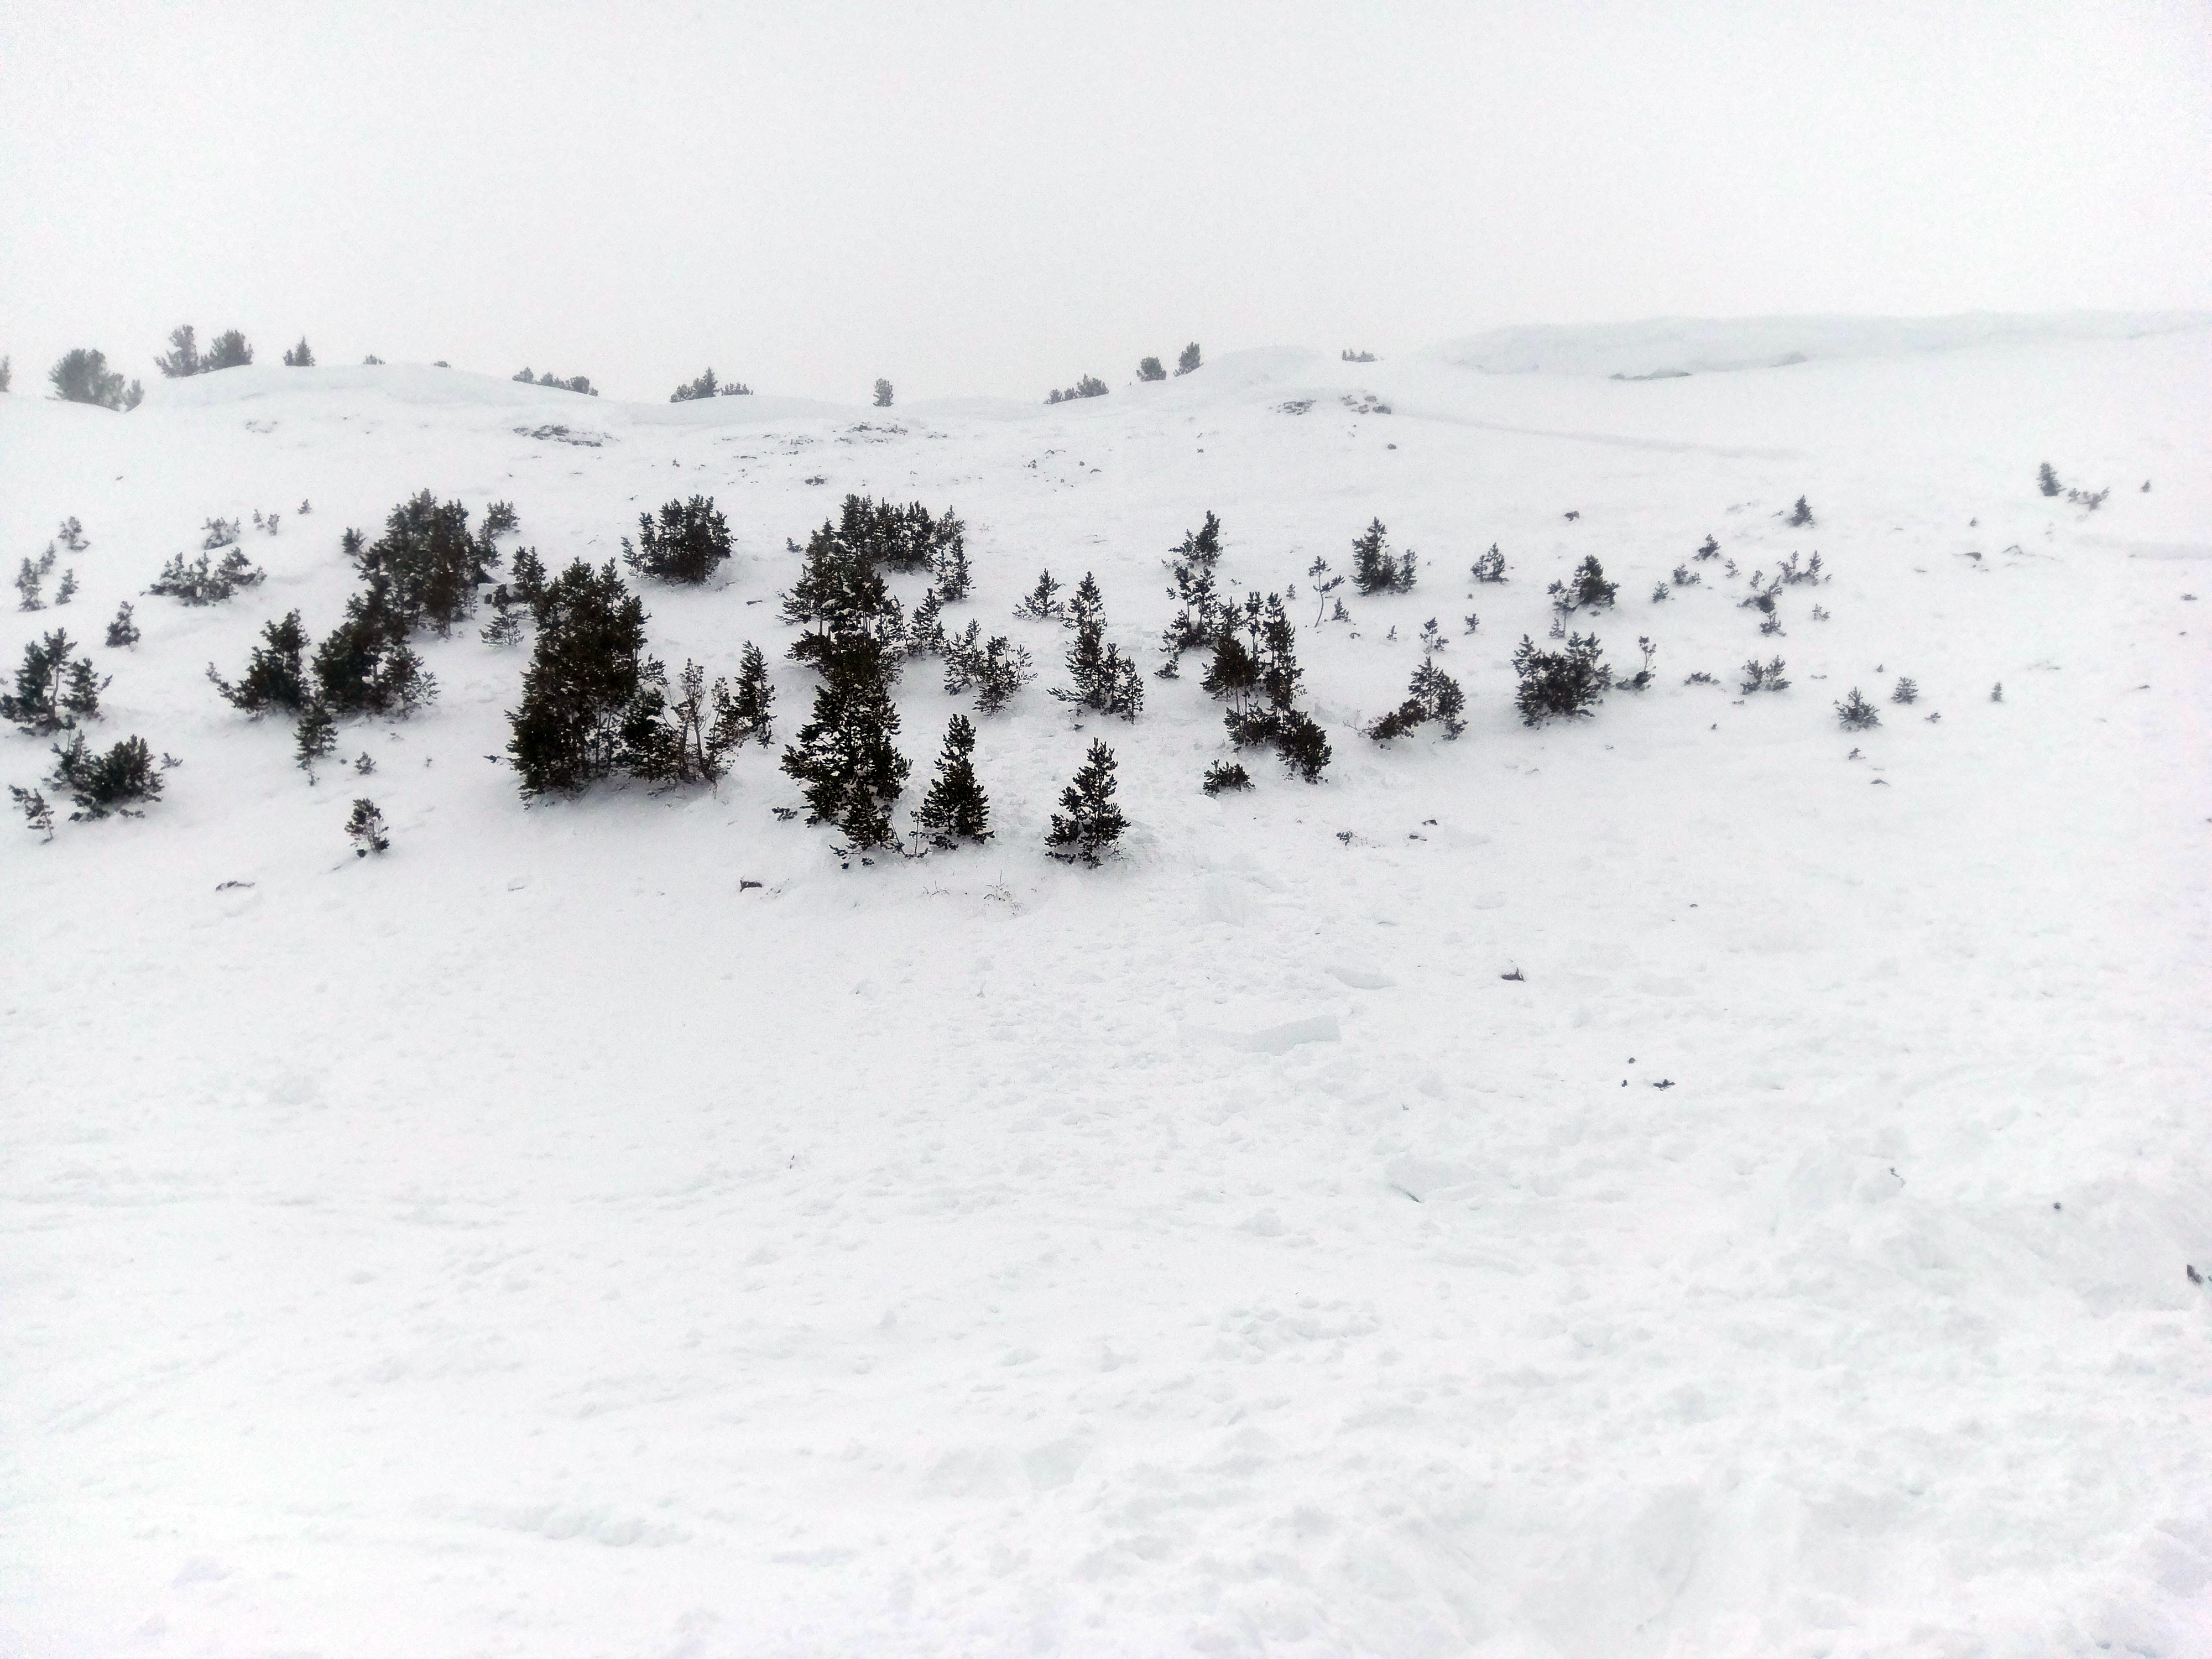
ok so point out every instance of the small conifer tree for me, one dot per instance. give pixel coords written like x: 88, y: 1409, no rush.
x: 583, y: 684
x: 1150, y: 369
x: 183, y: 358
x: 82, y: 376
x: 1201, y: 615
x: 206, y: 580
x: 691, y: 540
x: 1586, y: 589
x: 956, y: 808
x: 1857, y: 712
x: 748, y: 716
x: 1089, y: 822
x: 30, y: 581
x: 686, y: 738
x: 2046, y: 480
x: 1043, y: 603
x: 1490, y: 566
x: 229, y: 351
x: 505, y: 626
x: 844, y: 757
x: 300, y: 357
x: 274, y: 678
x: 52, y: 693
x: 1104, y: 679
x: 315, y: 738
x: 1373, y: 569
x: 1559, y: 684
x: 123, y: 631
x: 1799, y: 515
x: 38, y: 816
x: 1225, y: 775
x: 365, y: 830
x: 529, y: 583
x: 1189, y: 359
x: 1768, y: 675
x: 994, y: 669
x: 1433, y: 695
x: 101, y: 784
x: 882, y: 394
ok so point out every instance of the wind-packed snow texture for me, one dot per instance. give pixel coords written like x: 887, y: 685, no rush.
x: 1656, y: 1185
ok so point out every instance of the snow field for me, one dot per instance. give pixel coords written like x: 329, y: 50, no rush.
x: 531, y: 1243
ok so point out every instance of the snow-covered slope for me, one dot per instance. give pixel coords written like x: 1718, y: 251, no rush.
x: 540, y: 1240
x: 1658, y: 348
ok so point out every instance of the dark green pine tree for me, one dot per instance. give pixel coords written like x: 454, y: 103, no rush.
x: 843, y: 757
x: 274, y: 678
x: 315, y: 738
x: 746, y: 715
x: 1089, y: 822
x: 956, y: 807
x: 1201, y: 615
x: 584, y: 675
x: 52, y: 693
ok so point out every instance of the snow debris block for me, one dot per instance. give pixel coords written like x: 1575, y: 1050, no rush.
x: 1362, y: 979
x: 1281, y: 1039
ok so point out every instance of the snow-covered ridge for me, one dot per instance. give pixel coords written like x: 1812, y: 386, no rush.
x: 1659, y: 347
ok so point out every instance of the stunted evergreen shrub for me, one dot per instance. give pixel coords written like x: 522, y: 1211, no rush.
x: 1150, y: 369
x: 1201, y: 614
x: 1857, y: 712
x: 82, y: 376
x: 1089, y: 387
x: 300, y: 357
x: 1043, y: 603
x: 994, y: 669
x: 52, y: 692
x: 365, y: 830
x: 1489, y: 566
x: 1103, y: 679
x: 1587, y: 589
x: 1559, y: 684
x: 1254, y: 670
x: 691, y: 540
x: 1433, y: 695
x: 101, y: 784
x: 424, y: 570
x: 274, y: 675
x: 1188, y: 360
x: 1374, y: 570
x: 689, y: 736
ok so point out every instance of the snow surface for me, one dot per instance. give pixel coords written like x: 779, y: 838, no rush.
x: 537, y: 1242
x: 1658, y: 347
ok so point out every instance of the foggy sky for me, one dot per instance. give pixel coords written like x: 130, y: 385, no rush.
x: 969, y: 198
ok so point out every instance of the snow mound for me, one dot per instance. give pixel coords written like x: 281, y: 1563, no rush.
x: 1663, y: 347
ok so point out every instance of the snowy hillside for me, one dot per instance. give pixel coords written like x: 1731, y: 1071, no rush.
x: 1695, y: 1180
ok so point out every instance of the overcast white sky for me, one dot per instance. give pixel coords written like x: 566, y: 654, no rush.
x: 999, y: 199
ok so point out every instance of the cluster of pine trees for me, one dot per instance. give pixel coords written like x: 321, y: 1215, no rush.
x: 1251, y: 653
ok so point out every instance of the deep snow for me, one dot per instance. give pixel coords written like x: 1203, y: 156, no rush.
x: 531, y: 1244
